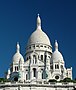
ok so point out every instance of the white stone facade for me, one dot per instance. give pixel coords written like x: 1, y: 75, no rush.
x: 39, y: 63
x: 24, y: 86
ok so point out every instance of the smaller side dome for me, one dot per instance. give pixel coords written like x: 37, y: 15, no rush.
x: 57, y: 56
x: 17, y: 56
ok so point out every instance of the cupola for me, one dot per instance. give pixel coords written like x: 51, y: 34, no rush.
x: 57, y: 56
x: 17, y: 56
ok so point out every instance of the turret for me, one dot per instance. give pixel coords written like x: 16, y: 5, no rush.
x: 58, y: 63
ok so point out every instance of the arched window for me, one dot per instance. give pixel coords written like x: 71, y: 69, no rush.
x: 56, y: 77
x: 42, y: 57
x: 61, y: 66
x: 57, y: 66
x: 15, y: 68
x: 34, y: 72
x: 45, y: 58
x: 15, y: 78
x: 42, y: 75
x: 26, y: 76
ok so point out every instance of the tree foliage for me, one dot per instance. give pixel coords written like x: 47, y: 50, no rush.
x: 68, y: 80
x: 4, y: 80
x: 52, y: 80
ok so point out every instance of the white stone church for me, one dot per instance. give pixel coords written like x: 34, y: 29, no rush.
x: 39, y: 64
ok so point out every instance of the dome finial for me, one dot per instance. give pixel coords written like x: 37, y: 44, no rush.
x: 38, y: 22
x: 38, y: 14
x: 18, y: 47
x: 56, y: 45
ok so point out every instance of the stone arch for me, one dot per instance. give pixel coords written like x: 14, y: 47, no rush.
x: 34, y: 72
x: 16, y: 78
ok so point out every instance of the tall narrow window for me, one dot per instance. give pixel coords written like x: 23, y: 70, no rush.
x: 42, y: 75
x: 57, y: 66
x: 45, y: 59
x: 34, y: 72
x: 42, y: 57
x: 45, y: 56
x: 15, y: 68
x: 26, y: 77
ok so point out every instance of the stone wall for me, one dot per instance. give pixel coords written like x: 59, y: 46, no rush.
x: 28, y: 86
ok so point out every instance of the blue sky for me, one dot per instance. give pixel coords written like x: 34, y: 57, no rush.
x: 18, y: 21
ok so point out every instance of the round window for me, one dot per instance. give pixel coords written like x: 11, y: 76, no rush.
x: 56, y: 77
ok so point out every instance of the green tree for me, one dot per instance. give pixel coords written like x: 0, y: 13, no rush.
x: 4, y: 80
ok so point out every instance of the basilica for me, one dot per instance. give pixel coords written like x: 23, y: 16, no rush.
x: 40, y: 63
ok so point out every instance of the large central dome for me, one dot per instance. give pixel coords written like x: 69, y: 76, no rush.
x: 38, y: 36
